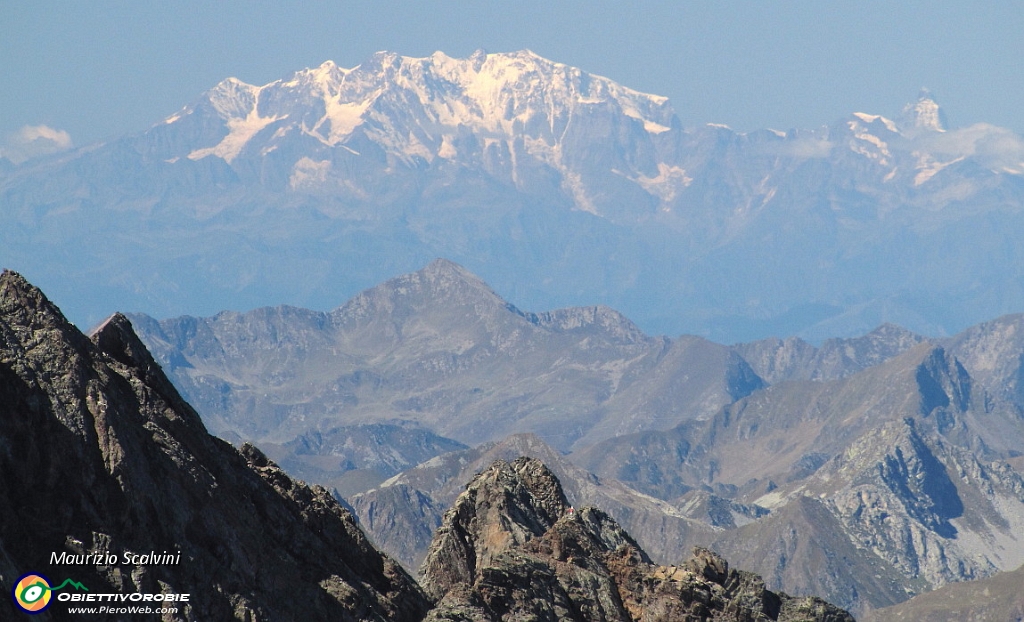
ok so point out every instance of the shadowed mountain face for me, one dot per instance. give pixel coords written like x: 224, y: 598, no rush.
x: 560, y: 187
x: 100, y: 455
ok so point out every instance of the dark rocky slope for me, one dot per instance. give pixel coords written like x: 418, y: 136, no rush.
x: 513, y: 549
x: 99, y: 454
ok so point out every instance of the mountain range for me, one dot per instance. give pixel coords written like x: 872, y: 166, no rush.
x: 559, y: 187
x: 840, y: 413
x: 866, y: 470
x: 103, y: 463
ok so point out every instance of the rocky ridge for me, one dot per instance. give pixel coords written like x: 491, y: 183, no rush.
x: 902, y: 470
x: 439, y: 349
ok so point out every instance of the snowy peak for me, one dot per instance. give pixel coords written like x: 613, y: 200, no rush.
x: 924, y: 114
x: 870, y: 136
x: 527, y: 123
x: 233, y: 98
x: 501, y: 94
x: 517, y: 117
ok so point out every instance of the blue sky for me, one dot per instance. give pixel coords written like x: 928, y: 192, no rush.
x: 100, y: 69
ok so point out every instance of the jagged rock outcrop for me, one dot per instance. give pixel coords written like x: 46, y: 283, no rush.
x: 776, y: 360
x: 100, y: 455
x: 511, y: 548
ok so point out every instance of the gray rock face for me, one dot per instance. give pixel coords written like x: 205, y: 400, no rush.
x: 991, y: 353
x: 504, y: 507
x: 100, y: 455
x: 511, y: 548
x: 400, y: 519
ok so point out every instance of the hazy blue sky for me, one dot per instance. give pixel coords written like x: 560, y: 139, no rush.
x: 99, y: 69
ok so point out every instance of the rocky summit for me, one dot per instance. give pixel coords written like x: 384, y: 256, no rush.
x: 512, y: 548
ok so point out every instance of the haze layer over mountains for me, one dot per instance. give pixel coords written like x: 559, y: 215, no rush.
x: 558, y: 187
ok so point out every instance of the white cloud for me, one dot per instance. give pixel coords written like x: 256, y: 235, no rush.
x: 993, y: 146
x: 34, y: 140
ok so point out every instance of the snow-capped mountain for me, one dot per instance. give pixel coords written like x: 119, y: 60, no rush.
x: 513, y: 117
x: 557, y: 186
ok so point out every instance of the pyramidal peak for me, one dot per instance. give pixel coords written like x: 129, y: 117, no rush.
x: 440, y: 281
x: 924, y: 114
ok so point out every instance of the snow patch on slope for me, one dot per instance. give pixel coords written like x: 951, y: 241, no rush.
x: 667, y: 184
x: 240, y: 131
x: 309, y: 173
x: 871, y: 118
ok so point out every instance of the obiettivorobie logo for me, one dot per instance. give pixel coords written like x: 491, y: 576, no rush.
x: 32, y: 592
